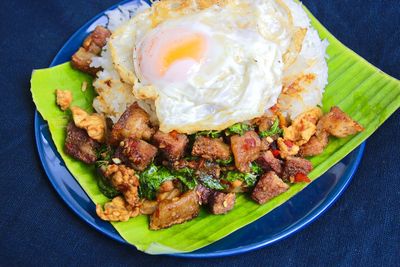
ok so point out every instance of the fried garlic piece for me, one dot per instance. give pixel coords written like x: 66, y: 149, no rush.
x: 63, y: 99
x: 117, y: 210
x: 94, y: 124
x: 303, y: 127
x: 124, y: 180
x: 287, y: 148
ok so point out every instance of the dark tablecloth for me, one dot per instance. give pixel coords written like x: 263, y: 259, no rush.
x: 37, y: 228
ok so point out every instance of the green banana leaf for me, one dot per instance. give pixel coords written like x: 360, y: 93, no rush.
x: 364, y: 92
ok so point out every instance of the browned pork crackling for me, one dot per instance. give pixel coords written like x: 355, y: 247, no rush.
x: 137, y: 157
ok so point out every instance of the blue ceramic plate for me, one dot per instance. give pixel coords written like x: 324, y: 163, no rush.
x: 290, y: 217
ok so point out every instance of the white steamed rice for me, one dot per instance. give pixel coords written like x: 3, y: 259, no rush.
x: 311, y: 60
x: 114, y: 96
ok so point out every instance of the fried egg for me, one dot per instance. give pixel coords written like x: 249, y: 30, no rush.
x: 207, y: 75
x: 207, y: 64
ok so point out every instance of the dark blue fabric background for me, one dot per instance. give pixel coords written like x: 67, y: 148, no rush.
x: 37, y: 228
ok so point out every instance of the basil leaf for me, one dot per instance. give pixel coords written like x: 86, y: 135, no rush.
x: 190, y: 158
x: 152, y: 178
x: 186, y: 176
x: 255, y: 168
x: 249, y: 178
x: 104, y: 155
x: 210, y: 182
x: 211, y: 134
x: 238, y: 128
x: 224, y: 162
x: 275, y: 129
x: 106, y: 188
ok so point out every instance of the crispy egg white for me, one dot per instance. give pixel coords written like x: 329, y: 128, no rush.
x: 122, y: 42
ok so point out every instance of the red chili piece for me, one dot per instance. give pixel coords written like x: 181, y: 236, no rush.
x: 288, y: 143
x: 174, y: 134
x: 274, y: 108
x: 276, y: 153
x: 301, y: 178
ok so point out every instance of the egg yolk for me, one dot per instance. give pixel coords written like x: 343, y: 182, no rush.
x: 171, y: 55
x: 190, y: 48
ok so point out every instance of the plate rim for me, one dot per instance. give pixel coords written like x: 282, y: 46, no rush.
x: 345, y: 179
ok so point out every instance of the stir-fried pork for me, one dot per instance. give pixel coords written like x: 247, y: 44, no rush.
x: 175, y: 211
x: 339, y: 124
x: 211, y: 149
x: 268, y: 162
x: 134, y: 123
x: 287, y: 148
x: 245, y: 148
x: 79, y: 145
x: 315, y: 146
x: 268, y: 187
x: 294, y: 166
x: 91, y: 47
x: 139, y: 153
x: 203, y: 193
x: 172, y: 145
x: 221, y: 203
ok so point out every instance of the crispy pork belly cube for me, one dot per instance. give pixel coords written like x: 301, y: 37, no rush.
x: 91, y: 47
x: 82, y: 59
x: 148, y: 207
x: 168, y: 195
x: 295, y: 165
x: 203, y: 193
x: 268, y: 162
x: 211, y: 149
x: 245, y: 148
x: 315, y: 146
x: 134, y: 123
x: 139, y: 153
x: 175, y: 211
x: 96, y: 40
x: 79, y: 145
x: 339, y: 124
x: 221, y: 203
x: 268, y: 186
x: 119, y: 155
x: 172, y: 145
